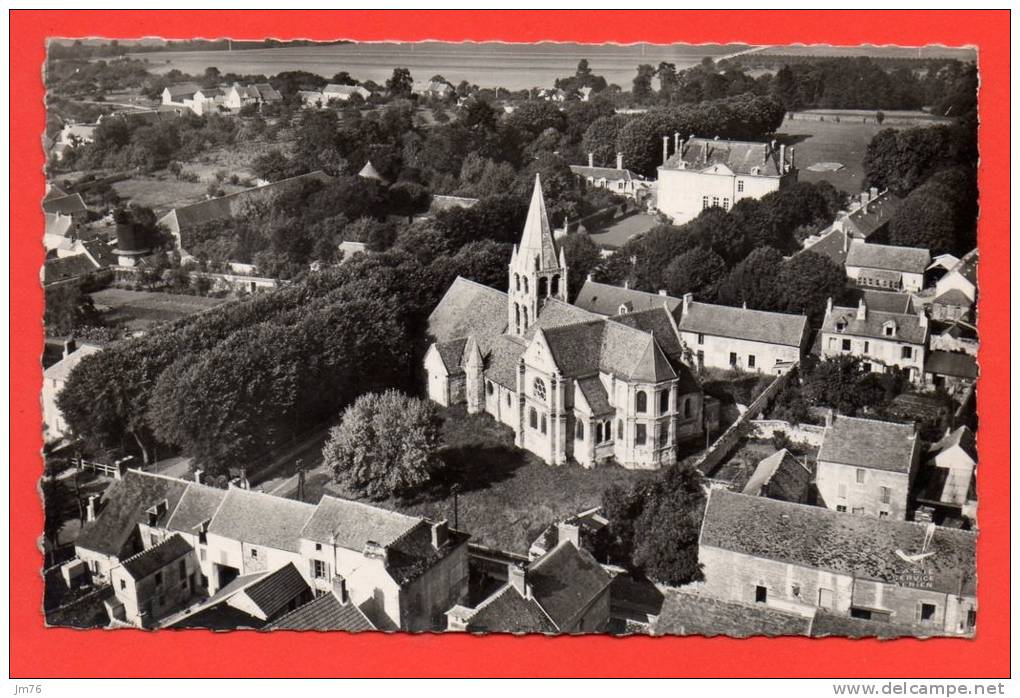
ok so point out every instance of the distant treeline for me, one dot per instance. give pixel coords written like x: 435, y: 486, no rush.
x: 78, y: 49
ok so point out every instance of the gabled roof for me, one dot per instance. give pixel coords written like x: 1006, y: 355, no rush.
x: 334, y: 89
x: 196, y: 507
x: 884, y: 301
x: 100, y: 252
x: 968, y: 266
x: 869, y: 443
x: 324, y: 613
x: 595, y: 394
x: 601, y: 345
x: 248, y: 91
x: 64, y: 268
x: 68, y: 205
x: 157, y: 557
x: 768, y: 467
x: 908, y: 326
x: 912, y: 260
x: 507, y: 611
x: 953, y: 296
x: 272, y: 592
x: 565, y: 581
x: 556, y: 313
x: 537, y: 240
x: 951, y: 363
x: 62, y: 369
x: 124, y: 505
x: 185, y: 89
x: 412, y: 553
x: 832, y: 244
x: 354, y: 524
x: 741, y: 157
x: 468, y: 309
x: 961, y: 437
x: 686, y: 613
x: 606, y: 299
x: 864, y: 221
x: 741, y: 323
x: 261, y: 519
x: 501, y: 360
x: 267, y: 92
x: 859, y: 546
x: 611, y: 174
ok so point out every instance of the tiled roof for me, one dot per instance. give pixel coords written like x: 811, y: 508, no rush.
x: 686, y: 613
x: 369, y: 172
x: 261, y: 519
x: 267, y: 92
x: 468, y: 309
x: 962, y: 437
x: 583, y: 348
x: 334, y: 89
x: 869, y: 443
x: 354, y: 524
x: 565, y: 581
x: 742, y: 157
x: 606, y: 299
x: 124, y: 506
x: 537, y: 240
x: 62, y: 369
x: 741, y: 323
x: 275, y: 590
x: 883, y: 301
x: 833, y: 625
x: 866, y: 220
x: 595, y: 394
x: 768, y: 467
x: 68, y: 205
x: 507, y: 611
x: 953, y: 296
x: 556, y: 313
x: 501, y: 361
x: 859, y: 546
x: 951, y: 363
x: 968, y: 266
x: 412, y: 553
x: 157, y: 557
x: 832, y: 245
x: 245, y: 91
x: 889, y: 257
x: 186, y: 89
x: 324, y: 613
x: 451, y: 353
x: 659, y: 323
x: 100, y: 252
x: 608, y: 173
x: 197, y: 506
x: 908, y: 326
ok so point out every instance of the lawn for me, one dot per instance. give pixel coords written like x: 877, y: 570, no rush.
x: 624, y: 229
x: 507, y: 495
x: 140, y: 310
x: 162, y: 191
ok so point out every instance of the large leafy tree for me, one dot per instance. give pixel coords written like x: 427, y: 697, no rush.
x: 755, y: 281
x: 386, y: 444
x: 697, y: 271
x: 600, y: 139
x: 808, y: 280
x: 400, y: 83
x: 583, y: 257
x: 69, y: 308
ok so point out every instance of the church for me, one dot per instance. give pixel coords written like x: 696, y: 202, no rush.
x: 572, y: 384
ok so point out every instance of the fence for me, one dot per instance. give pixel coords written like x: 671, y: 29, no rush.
x: 114, y: 471
x: 801, y: 433
x: 742, y: 427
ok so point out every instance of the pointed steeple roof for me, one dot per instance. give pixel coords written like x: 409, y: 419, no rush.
x: 537, y: 240
x: 369, y: 172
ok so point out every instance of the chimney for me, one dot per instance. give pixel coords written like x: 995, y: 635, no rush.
x: 340, y: 588
x: 662, y: 292
x: 70, y: 346
x: 862, y: 310
x: 676, y: 142
x: 665, y: 149
x: 828, y: 306
x: 591, y: 159
x: 519, y: 578
x: 300, y: 483
x: 375, y: 551
x: 619, y: 161
x: 743, y: 305
x: 440, y: 534
x: 874, y: 193
x: 782, y: 158
x: 688, y: 299
x: 92, y: 508
x: 829, y: 418
x: 792, y: 158
x: 198, y: 477
x: 865, y: 196
x: 569, y: 531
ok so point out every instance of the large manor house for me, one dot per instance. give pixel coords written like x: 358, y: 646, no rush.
x: 588, y: 382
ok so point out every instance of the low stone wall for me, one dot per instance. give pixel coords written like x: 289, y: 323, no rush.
x: 799, y: 433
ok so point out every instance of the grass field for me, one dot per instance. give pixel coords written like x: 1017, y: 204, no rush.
x: 162, y: 191
x: 140, y: 310
x: 820, y: 51
x: 507, y: 495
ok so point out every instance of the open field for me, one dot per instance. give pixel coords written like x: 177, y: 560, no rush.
x: 507, y: 496
x: 871, y: 51
x: 162, y: 191
x: 140, y: 310
x: 621, y: 231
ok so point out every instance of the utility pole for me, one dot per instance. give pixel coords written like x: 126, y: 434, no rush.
x: 455, y: 490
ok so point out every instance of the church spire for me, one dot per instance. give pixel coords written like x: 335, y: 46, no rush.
x: 537, y: 240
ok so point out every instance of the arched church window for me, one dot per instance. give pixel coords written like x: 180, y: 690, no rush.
x: 517, y: 281
x: 664, y: 402
x: 543, y: 287
x: 641, y: 401
x: 525, y: 284
x: 579, y: 430
x: 554, y: 286
x: 533, y: 418
x: 543, y: 424
x: 619, y: 429
x: 524, y: 311
x: 538, y: 388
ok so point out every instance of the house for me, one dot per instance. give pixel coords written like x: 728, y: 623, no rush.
x: 54, y: 379
x: 948, y: 480
x: 402, y: 572
x: 182, y: 220
x: 343, y: 93
x: 59, y: 235
x: 69, y: 268
x: 564, y: 591
x: 704, y: 173
x: 954, y: 372
x: 726, y: 337
x: 618, y: 180
x: 882, y: 340
x: 867, y: 467
x: 206, y: 100
x: 690, y: 613
x: 238, y: 95
x: 803, y: 559
x: 73, y: 134
x: 330, y: 611
x: 956, y: 291
x: 436, y: 89
x: 959, y: 337
x: 780, y: 476
x: 349, y: 248
x: 177, y: 95
x: 883, y: 301
x: 67, y: 205
x: 154, y: 583
x: 250, y: 601
x: 571, y: 384
x: 886, y: 267
x: 608, y: 300
x: 311, y: 98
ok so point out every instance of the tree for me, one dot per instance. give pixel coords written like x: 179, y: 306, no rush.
x: 755, y: 281
x: 642, y: 88
x: 400, y: 83
x: 667, y: 80
x: 386, y: 444
x: 484, y: 261
x: 808, y: 280
x: 697, y: 271
x: 842, y: 383
x: 784, y: 88
x: 654, y: 526
x: 601, y: 136
x: 68, y: 309
x: 924, y: 219
x: 583, y: 257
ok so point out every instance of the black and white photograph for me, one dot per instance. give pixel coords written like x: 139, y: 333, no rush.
x: 548, y: 338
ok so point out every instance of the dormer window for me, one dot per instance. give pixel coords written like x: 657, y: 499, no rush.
x: 841, y: 325
x: 623, y: 309
x: 889, y: 329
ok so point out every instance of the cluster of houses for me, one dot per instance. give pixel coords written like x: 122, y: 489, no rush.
x: 206, y: 100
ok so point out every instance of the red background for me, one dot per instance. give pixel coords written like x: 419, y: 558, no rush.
x: 40, y: 652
